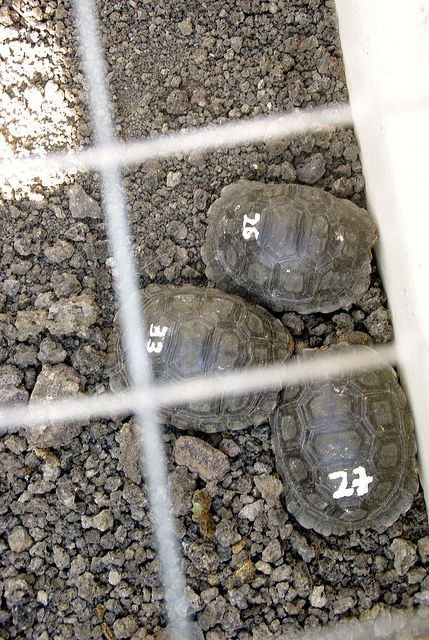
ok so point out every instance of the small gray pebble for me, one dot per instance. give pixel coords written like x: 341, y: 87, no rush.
x: 26, y: 245
x: 270, y: 488
x: 251, y: 511
x: 182, y: 485
x: 11, y: 388
x: 405, y: 555
x: 88, y: 360
x: 129, y: 452
x: 177, y: 102
x: 61, y: 557
x: 174, y: 178
x: 300, y: 544
x: 200, y: 199
x: 185, y: 27
x: 44, y: 300
x: 15, y: 443
x: 212, y: 613
x: 59, y: 252
x: 422, y: 597
x: 51, y: 352
x: 102, y: 521
x: 87, y: 587
x: 177, y: 230
x: 379, y: 325
x: 272, y: 551
x: 30, y: 323
x: 55, y: 381
x: 25, y: 356
x: 199, y: 456
x: 423, y: 549
x: 226, y: 533
x: 345, y: 601
x: 19, y: 540
x: 283, y: 573
x: 293, y: 322
x: 65, y: 284
x: 302, y: 580
x: 229, y: 447
x: 81, y: 204
x: 203, y: 556
x: 125, y: 627
x: 72, y: 315
x: 318, y: 598
x: 11, y: 287
x: 312, y: 170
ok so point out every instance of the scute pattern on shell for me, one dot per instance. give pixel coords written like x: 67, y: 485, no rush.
x: 288, y: 246
x: 351, y: 436
x: 207, y: 332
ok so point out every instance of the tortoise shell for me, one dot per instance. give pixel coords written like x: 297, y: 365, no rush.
x: 288, y: 246
x: 345, y: 449
x: 194, y: 332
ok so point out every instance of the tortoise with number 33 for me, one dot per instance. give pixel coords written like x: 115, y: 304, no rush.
x: 345, y: 449
x: 288, y: 247
x: 193, y: 332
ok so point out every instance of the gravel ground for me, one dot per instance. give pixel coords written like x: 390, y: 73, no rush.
x: 77, y: 554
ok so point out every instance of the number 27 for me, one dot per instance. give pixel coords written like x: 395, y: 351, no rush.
x: 361, y: 483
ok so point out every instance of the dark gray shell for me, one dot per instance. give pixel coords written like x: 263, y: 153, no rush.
x: 206, y: 331
x: 288, y: 247
x: 345, y: 449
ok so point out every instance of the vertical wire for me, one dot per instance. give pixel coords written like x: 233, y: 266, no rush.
x: 134, y: 343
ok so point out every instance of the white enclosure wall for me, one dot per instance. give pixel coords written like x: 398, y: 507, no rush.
x: 386, y: 53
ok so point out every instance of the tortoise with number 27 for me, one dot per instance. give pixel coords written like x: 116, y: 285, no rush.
x: 345, y: 449
x: 288, y: 247
x: 193, y: 332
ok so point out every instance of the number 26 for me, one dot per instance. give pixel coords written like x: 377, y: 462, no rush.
x: 249, y: 226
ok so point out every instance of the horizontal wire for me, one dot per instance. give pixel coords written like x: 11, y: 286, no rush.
x: 204, y: 138
x: 256, y: 379
x: 389, y: 623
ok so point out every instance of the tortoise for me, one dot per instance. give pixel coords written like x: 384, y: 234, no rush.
x: 288, y: 247
x: 345, y: 449
x: 194, y: 332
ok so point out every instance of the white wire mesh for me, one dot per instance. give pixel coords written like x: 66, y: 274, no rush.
x: 389, y: 624
x: 149, y: 433
x: 108, y: 156
x: 151, y: 397
x: 110, y: 152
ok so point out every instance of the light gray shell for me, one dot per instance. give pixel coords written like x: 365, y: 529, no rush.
x: 197, y: 332
x: 345, y: 449
x: 288, y: 247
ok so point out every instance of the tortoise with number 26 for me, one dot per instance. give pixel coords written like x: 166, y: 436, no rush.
x: 345, y: 449
x: 193, y: 332
x: 289, y: 247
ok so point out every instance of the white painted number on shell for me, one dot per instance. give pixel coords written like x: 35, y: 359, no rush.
x: 249, y: 226
x: 360, y: 484
x: 155, y: 346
